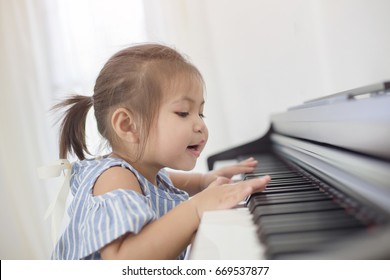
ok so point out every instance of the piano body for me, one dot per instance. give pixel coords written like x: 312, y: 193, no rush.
x: 329, y: 197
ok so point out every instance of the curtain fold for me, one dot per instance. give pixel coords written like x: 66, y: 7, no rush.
x: 27, y: 140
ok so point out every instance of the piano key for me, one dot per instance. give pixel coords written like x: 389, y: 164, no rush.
x: 283, y: 195
x: 305, y: 216
x: 281, y: 180
x: 258, y: 173
x: 287, y: 194
x: 309, y: 230
x: 255, y: 201
x: 305, y: 209
x: 274, y: 176
x: 272, y: 167
x: 282, y: 200
x: 303, y: 242
x: 338, y: 222
x: 294, y: 208
x: 301, y: 237
x: 300, y: 188
x: 293, y: 183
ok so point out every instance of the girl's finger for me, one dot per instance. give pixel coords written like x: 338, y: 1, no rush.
x: 258, y: 184
x: 220, y: 181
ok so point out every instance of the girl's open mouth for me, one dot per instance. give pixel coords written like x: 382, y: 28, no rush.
x: 194, y: 150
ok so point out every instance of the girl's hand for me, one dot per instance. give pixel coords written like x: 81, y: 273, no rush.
x: 222, y: 194
x: 245, y: 166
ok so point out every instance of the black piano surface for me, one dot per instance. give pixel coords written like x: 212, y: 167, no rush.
x: 328, y: 198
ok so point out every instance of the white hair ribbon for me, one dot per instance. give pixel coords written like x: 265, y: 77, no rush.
x: 57, y: 206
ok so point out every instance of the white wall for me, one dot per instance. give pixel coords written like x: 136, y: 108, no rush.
x: 355, y: 42
x: 260, y: 57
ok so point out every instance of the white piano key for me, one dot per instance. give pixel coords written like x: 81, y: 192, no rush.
x: 226, y: 235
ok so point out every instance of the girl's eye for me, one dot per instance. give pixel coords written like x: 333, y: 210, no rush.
x: 182, y: 114
x: 202, y: 116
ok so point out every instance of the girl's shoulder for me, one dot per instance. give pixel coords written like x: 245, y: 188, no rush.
x: 100, y: 161
x: 98, y: 165
x: 86, y: 172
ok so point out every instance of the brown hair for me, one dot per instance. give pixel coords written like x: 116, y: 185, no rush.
x: 135, y: 78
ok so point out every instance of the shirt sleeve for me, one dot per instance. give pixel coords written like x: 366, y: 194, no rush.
x: 111, y: 216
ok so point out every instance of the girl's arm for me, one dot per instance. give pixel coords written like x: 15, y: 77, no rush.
x: 196, y: 182
x: 168, y: 236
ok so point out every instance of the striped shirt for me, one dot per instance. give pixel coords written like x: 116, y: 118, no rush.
x: 95, y: 221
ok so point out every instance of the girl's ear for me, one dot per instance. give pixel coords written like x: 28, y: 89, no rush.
x: 124, y: 125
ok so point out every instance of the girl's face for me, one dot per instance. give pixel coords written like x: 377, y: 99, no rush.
x: 180, y: 132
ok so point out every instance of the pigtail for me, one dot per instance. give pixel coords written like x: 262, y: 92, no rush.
x: 72, y: 129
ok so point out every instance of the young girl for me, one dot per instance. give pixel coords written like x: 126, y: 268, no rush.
x: 148, y: 102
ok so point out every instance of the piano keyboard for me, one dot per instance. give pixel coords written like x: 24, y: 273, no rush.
x: 296, y: 217
x: 297, y: 213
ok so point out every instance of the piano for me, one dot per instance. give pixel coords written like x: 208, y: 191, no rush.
x: 329, y: 197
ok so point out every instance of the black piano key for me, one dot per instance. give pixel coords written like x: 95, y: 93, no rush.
x: 287, y: 189
x: 309, y: 230
x: 301, y: 237
x: 279, y: 169
x: 275, y: 176
x: 287, y: 199
x: 255, y: 199
x: 280, y: 193
x: 280, y: 199
x: 288, y: 182
x: 279, y: 245
x: 297, y: 217
x: 285, y: 196
x: 294, y: 208
x: 271, y: 173
x: 295, y: 214
x: 286, y: 222
x: 338, y: 222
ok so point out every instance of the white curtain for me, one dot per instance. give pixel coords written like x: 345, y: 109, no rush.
x: 48, y: 49
x: 27, y: 140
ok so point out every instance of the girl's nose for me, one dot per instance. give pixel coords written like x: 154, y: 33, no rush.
x: 200, y: 126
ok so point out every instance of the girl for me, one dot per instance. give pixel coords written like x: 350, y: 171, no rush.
x: 148, y: 103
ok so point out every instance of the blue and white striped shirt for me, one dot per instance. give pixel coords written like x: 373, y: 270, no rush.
x: 95, y: 221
